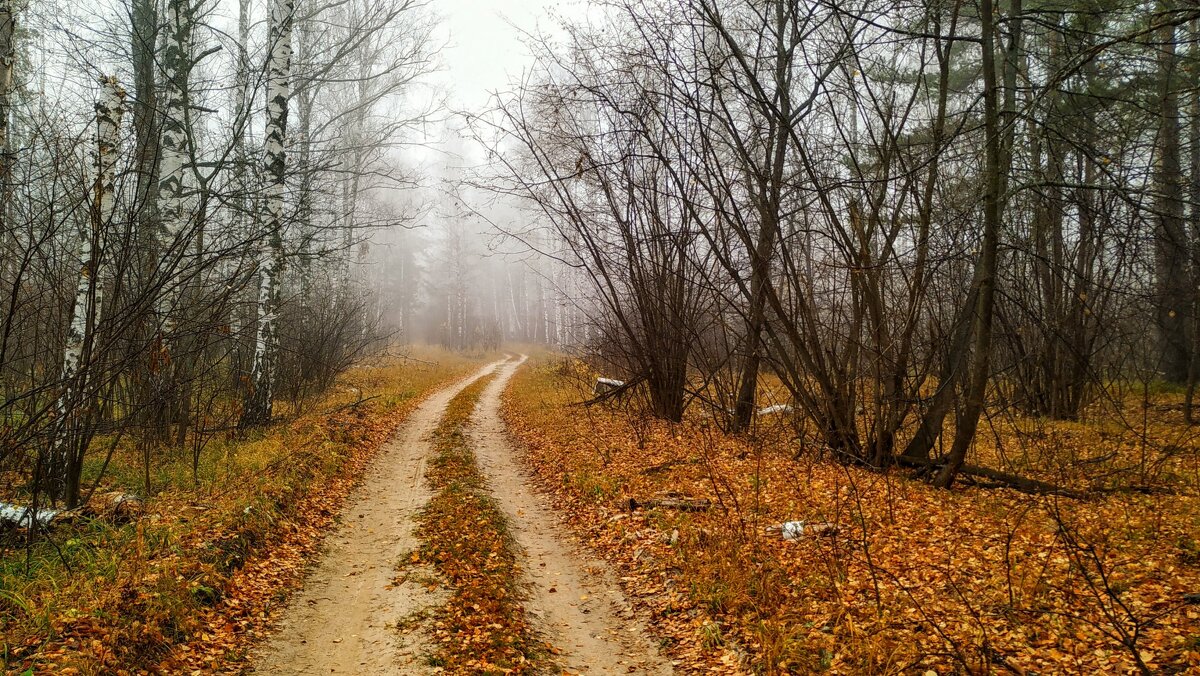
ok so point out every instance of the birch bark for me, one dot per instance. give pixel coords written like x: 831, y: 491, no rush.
x: 259, y: 403
x: 8, y: 52
x: 89, y: 289
x: 172, y: 183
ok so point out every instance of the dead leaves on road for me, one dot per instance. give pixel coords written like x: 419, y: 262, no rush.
x: 482, y: 629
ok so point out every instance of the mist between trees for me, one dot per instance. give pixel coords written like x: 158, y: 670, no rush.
x: 911, y: 213
x: 205, y: 211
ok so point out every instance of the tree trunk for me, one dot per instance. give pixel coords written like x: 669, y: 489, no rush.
x: 174, y: 140
x: 770, y: 198
x: 167, y: 400
x: 143, y: 47
x: 995, y: 168
x: 64, y: 465
x: 8, y: 58
x: 1172, y: 281
x: 1194, y: 220
x: 241, y: 181
x: 259, y: 403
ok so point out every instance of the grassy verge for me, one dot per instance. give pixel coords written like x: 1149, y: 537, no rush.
x: 483, y: 627
x: 191, y: 584
x: 913, y: 580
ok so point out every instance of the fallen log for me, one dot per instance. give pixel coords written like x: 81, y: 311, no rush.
x: 1000, y: 479
x: 794, y: 530
x: 606, y: 385
x: 613, y: 392
x: 1020, y: 483
x: 15, y: 516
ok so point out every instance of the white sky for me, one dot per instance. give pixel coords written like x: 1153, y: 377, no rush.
x: 484, y: 51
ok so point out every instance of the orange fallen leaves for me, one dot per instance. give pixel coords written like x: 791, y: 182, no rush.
x: 483, y: 627
x: 914, y: 579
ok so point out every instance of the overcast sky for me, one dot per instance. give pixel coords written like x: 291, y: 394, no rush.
x: 484, y: 53
x: 484, y: 49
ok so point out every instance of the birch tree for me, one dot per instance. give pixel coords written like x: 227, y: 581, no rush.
x: 175, y: 153
x: 8, y: 57
x: 89, y: 290
x: 259, y: 402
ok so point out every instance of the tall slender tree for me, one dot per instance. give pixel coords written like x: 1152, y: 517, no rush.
x: 258, y: 406
x: 89, y: 294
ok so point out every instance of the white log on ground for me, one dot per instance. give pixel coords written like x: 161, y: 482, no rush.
x: 15, y: 516
x: 605, y: 385
x: 795, y: 530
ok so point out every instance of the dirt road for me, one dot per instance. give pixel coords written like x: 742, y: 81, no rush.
x: 573, y: 599
x: 344, y: 620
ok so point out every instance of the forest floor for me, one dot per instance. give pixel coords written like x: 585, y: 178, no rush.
x: 471, y: 517
x: 199, y: 577
x: 898, y: 577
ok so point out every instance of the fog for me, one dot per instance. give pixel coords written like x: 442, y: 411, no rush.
x: 789, y: 248
x: 465, y: 269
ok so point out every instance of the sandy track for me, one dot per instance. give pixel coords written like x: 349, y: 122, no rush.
x: 573, y: 599
x: 343, y: 621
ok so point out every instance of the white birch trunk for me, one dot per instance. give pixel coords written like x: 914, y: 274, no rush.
x: 172, y: 183
x: 109, y: 110
x: 8, y: 57
x: 89, y: 289
x: 258, y: 409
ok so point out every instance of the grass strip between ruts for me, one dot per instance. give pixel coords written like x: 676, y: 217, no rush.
x: 483, y: 627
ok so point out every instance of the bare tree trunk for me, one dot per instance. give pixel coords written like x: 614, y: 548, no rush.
x: 259, y: 403
x: 241, y: 178
x: 167, y: 397
x: 1172, y: 281
x: 8, y: 58
x: 985, y: 281
x: 174, y: 152
x: 769, y: 197
x: 1194, y: 199
x: 144, y: 39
